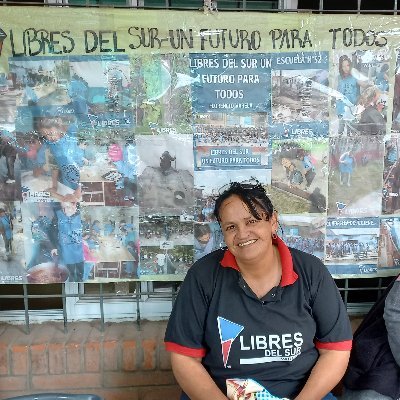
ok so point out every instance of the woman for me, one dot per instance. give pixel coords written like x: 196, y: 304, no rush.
x: 348, y: 86
x: 258, y: 310
x: 371, y: 121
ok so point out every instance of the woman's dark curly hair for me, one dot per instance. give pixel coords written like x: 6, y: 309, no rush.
x: 252, y: 194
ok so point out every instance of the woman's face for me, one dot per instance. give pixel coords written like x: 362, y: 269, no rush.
x: 346, y: 68
x: 51, y: 129
x: 248, y: 238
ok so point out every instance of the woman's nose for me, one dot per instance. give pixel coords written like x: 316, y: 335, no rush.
x: 242, y: 231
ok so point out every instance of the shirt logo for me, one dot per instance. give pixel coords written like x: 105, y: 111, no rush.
x: 228, y: 332
x: 340, y: 206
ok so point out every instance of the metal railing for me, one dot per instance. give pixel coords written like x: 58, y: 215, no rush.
x: 358, y: 295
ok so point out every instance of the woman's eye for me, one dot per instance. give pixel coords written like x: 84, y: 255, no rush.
x: 252, y: 221
x: 229, y: 228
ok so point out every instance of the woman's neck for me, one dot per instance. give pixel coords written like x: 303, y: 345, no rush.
x: 265, y: 275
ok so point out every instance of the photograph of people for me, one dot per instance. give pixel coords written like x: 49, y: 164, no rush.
x: 300, y: 95
x: 207, y: 238
x: 111, y: 242
x: 355, y: 163
x: 156, y: 229
x: 257, y: 310
x: 165, y: 175
x: 55, y: 159
x: 299, y: 181
x: 391, y: 177
x: 389, y: 243
x: 12, y: 255
x: 360, y: 93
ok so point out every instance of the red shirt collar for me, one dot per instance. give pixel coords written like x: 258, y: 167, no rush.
x: 289, y: 276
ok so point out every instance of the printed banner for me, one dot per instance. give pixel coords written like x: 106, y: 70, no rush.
x: 118, y: 129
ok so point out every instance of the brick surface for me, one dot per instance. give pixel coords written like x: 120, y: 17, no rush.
x: 132, y: 379
x: 92, y: 357
x: 73, y: 357
x: 66, y: 382
x: 19, y: 357
x: 57, y: 359
x: 129, y: 355
x: 125, y: 362
x: 4, y: 364
x: 110, y: 356
x: 164, y: 357
x: 39, y: 358
x: 149, y: 354
x: 13, y: 383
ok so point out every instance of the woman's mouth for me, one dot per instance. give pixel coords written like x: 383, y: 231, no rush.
x: 247, y: 243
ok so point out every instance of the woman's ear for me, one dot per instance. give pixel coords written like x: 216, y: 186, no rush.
x: 274, y: 220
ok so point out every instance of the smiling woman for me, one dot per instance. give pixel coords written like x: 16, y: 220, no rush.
x: 257, y: 310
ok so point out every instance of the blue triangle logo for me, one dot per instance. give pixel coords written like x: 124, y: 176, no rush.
x: 228, y: 330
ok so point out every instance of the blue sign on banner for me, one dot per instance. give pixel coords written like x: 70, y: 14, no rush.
x: 230, y: 82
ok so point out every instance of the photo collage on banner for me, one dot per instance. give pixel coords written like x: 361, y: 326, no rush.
x: 165, y: 172
x: 111, y: 160
x: 72, y: 164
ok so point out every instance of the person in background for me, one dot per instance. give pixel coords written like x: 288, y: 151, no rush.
x: 348, y: 86
x: 66, y: 236
x: 166, y: 163
x: 374, y: 368
x: 382, y: 78
x: 257, y: 310
x: 371, y: 121
x: 78, y: 93
x: 347, y: 163
x: 309, y: 169
x: 6, y: 231
x: 206, y: 240
x: 109, y: 228
x: 89, y: 259
x: 40, y: 245
x: 125, y: 160
x: 59, y: 136
x: 9, y: 151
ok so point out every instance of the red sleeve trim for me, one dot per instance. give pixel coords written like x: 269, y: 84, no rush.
x: 186, y: 351
x: 345, y: 345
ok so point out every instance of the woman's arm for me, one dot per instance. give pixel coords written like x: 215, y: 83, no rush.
x: 392, y: 319
x: 194, y: 379
x: 325, y: 375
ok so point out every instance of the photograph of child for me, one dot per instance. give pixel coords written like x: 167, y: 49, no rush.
x: 298, y: 173
x: 355, y: 163
x: 53, y: 159
x: 111, y: 242
x: 109, y: 174
x: 53, y: 242
x: 12, y: 256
